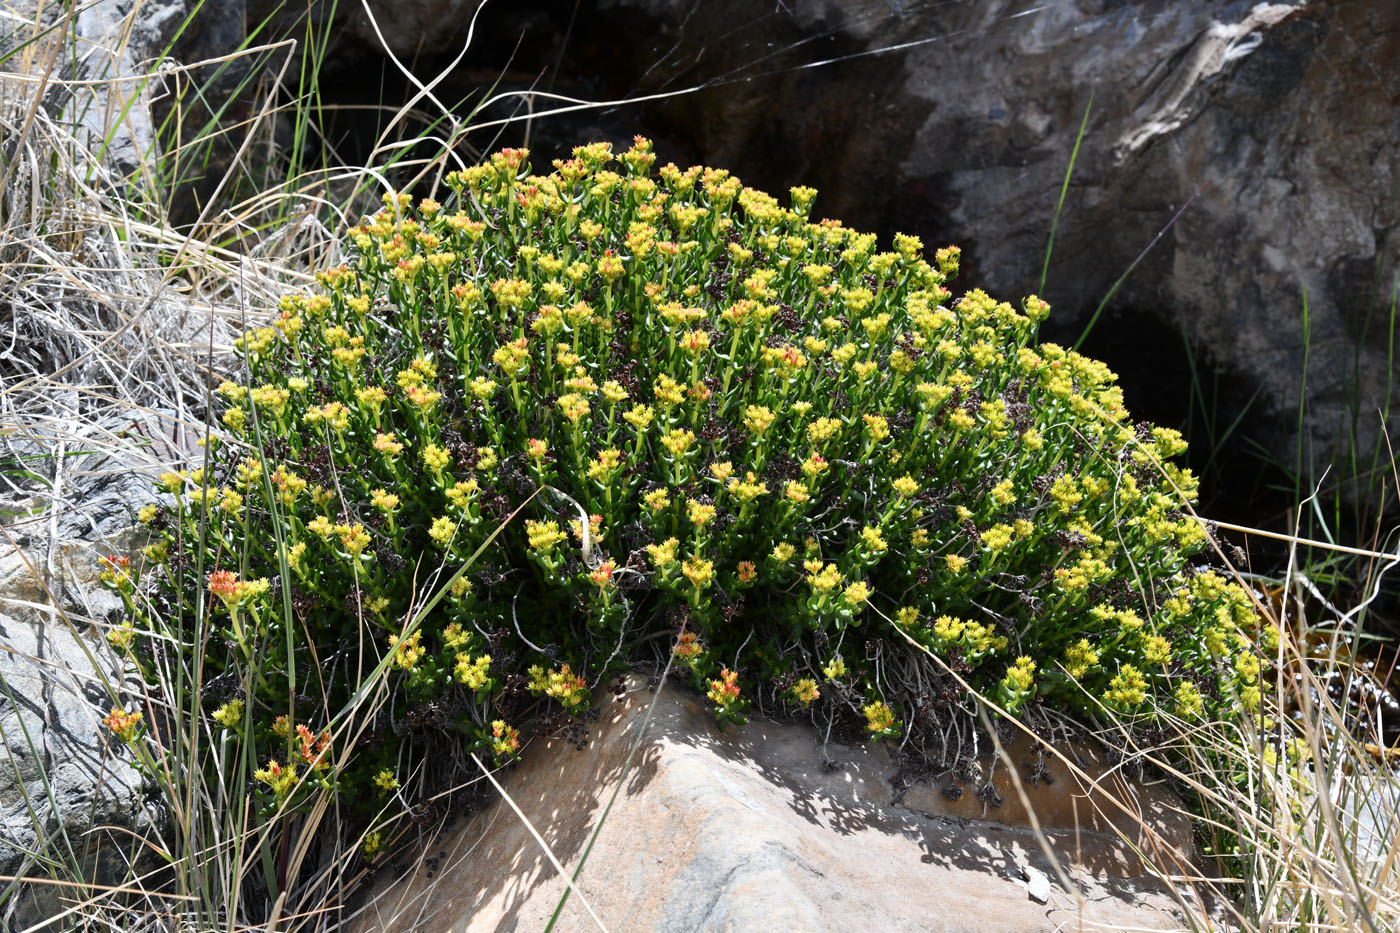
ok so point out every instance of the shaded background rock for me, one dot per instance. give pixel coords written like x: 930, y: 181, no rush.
x: 760, y: 827
x: 1238, y: 158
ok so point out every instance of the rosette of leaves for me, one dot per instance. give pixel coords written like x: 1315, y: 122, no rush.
x: 609, y: 411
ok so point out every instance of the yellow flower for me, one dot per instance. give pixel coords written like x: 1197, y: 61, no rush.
x: 1020, y: 676
x: 698, y: 572
x: 573, y: 406
x: 407, y: 651
x: 748, y: 488
x: 472, y: 673
x: 280, y: 778
x: 436, y: 458
x: 1157, y: 650
x: 354, y: 537
x: 288, y: 484
x: 543, y: 536
x: 461, y: 493
x: 1247, y: 666
x: 1127, y: 688
x: 122, y: 723
x: 879, y: 718
x: 388, y: 444
x: 1066, y: 494
x: 997, y: 537
x: 422, y: 397
x: 505, y: 740
x: 961, y: 420
x: 603, y: 466
x: 639, y: 416
x: 724, y: 692
x: 230, y: 715
x: 758, y: 418
x: 656, y: 500
x: 688, y: 647
x: 121, y: 637
x: 442, y: 530
x: 805, y: 691
x: 230, y: 501
x: 1189, y: 704
x: 873, y: 539
x: 663, y: 555
x: 948, y: 628
x: 824, y: 577
x: 1079, y: 658
x: 678, y: 441
x: 699, y: 513
x: 695, y: 342
x: 877, y: 427
x: 856, y: 594
x: 271, y: 398
x: 823, y: 429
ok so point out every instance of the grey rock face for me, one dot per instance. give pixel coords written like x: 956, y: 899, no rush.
x: 109, y: 40
x: 1239, y: 158
x: 69, y: 793
x: 1246, y: 156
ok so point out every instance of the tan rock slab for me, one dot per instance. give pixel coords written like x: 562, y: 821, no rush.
x: 747, y: 830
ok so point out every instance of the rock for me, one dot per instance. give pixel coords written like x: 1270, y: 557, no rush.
x: 70, y: 794
x: 1079, y: 791
x: 112, y: 40
x: 746, y: 830
x: 1037, y: 885
x: 1238, y: 157
x: 1248, y: 153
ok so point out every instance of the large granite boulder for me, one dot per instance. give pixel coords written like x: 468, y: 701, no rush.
x: 761, y: 828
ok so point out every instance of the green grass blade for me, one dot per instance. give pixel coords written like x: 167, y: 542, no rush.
x: 1064, y: 191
